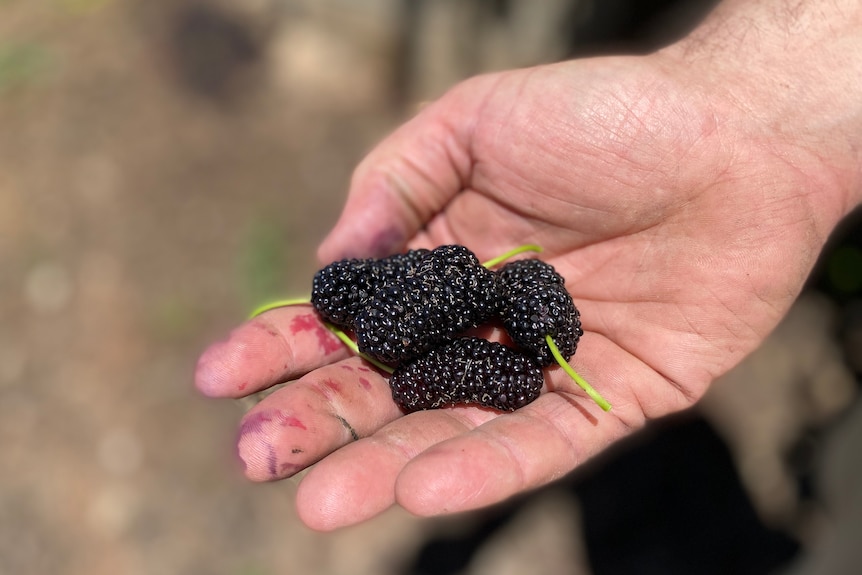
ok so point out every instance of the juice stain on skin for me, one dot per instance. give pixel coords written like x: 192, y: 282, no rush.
x: 291, y: 421
x: 386, y: 241
x: 255, y: 422
x: 327, y: 341
x: 332, y: 384
x: 327, y: 388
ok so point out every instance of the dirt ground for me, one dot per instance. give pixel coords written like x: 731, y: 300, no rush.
x: 164, y: 166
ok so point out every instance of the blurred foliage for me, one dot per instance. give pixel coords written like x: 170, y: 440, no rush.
x: 263, y: 258
x: 174, y: 319
x: 21, y: 64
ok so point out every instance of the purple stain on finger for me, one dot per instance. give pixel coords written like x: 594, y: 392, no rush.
x: 386, y: 243
x: 254, y: 423
x: 309, y: 322
x: 365, y: 383
x: 332, y: 385
x: 258, y: 436
x: 290, y: 421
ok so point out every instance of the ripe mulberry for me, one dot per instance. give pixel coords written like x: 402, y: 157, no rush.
x: 529, y: 272
x: 536, y: 303
x: 341, y: 290
x: 467, y: 370
x: 447, y: 292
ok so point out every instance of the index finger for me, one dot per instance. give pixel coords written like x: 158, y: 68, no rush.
x: 276, y: 346
x: 409, y: 177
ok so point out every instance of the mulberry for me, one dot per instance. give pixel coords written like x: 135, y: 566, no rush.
x: 467, y: 370
x: 342, y: 289
x: 535, y: 303
x: 529, y: 272
x: 445, y: 293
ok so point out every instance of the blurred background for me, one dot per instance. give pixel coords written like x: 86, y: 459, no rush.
x: 167, y: 164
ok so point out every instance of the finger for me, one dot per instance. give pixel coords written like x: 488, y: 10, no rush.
x: 299, y: 424
x: 357, y: 482
x: 408, y: 177
x: 499, y: 459
x: 276, y: 346
x: 536, y: 444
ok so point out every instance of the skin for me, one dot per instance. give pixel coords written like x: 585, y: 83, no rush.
x: 684, y: 196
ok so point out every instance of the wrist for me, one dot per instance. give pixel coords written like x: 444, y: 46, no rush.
x: 791, y: 73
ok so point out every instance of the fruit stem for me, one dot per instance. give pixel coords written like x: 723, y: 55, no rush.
x: 511, y: 253
x: 277, y: 304
x: 601, y: 401
x: 345, y: 339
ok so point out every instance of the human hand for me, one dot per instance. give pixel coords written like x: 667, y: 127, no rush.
x: 684, y: 226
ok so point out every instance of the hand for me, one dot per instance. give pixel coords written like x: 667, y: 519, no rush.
x: 684, y: 228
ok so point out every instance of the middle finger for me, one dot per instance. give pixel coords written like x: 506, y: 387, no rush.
x: 307, y: 419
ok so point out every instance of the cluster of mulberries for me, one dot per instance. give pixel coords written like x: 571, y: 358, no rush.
x: 410, y: 309
x: 402, y: 306
x: 448, y: 292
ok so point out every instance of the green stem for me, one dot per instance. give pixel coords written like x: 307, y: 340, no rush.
x: 601, y: 401
x: 345, y: 339
x: 511, y: 253
x: 277, y: 304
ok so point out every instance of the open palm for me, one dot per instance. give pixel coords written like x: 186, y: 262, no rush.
x: 684, y: 231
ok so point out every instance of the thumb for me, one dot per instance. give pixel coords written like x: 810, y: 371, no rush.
x: 408, y: 178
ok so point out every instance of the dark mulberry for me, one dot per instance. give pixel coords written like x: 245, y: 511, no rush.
x: 467, y: 370
x: 342, y: 289
x: 445, y: 293
x: 529, y: 272
x: 535, y: 303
